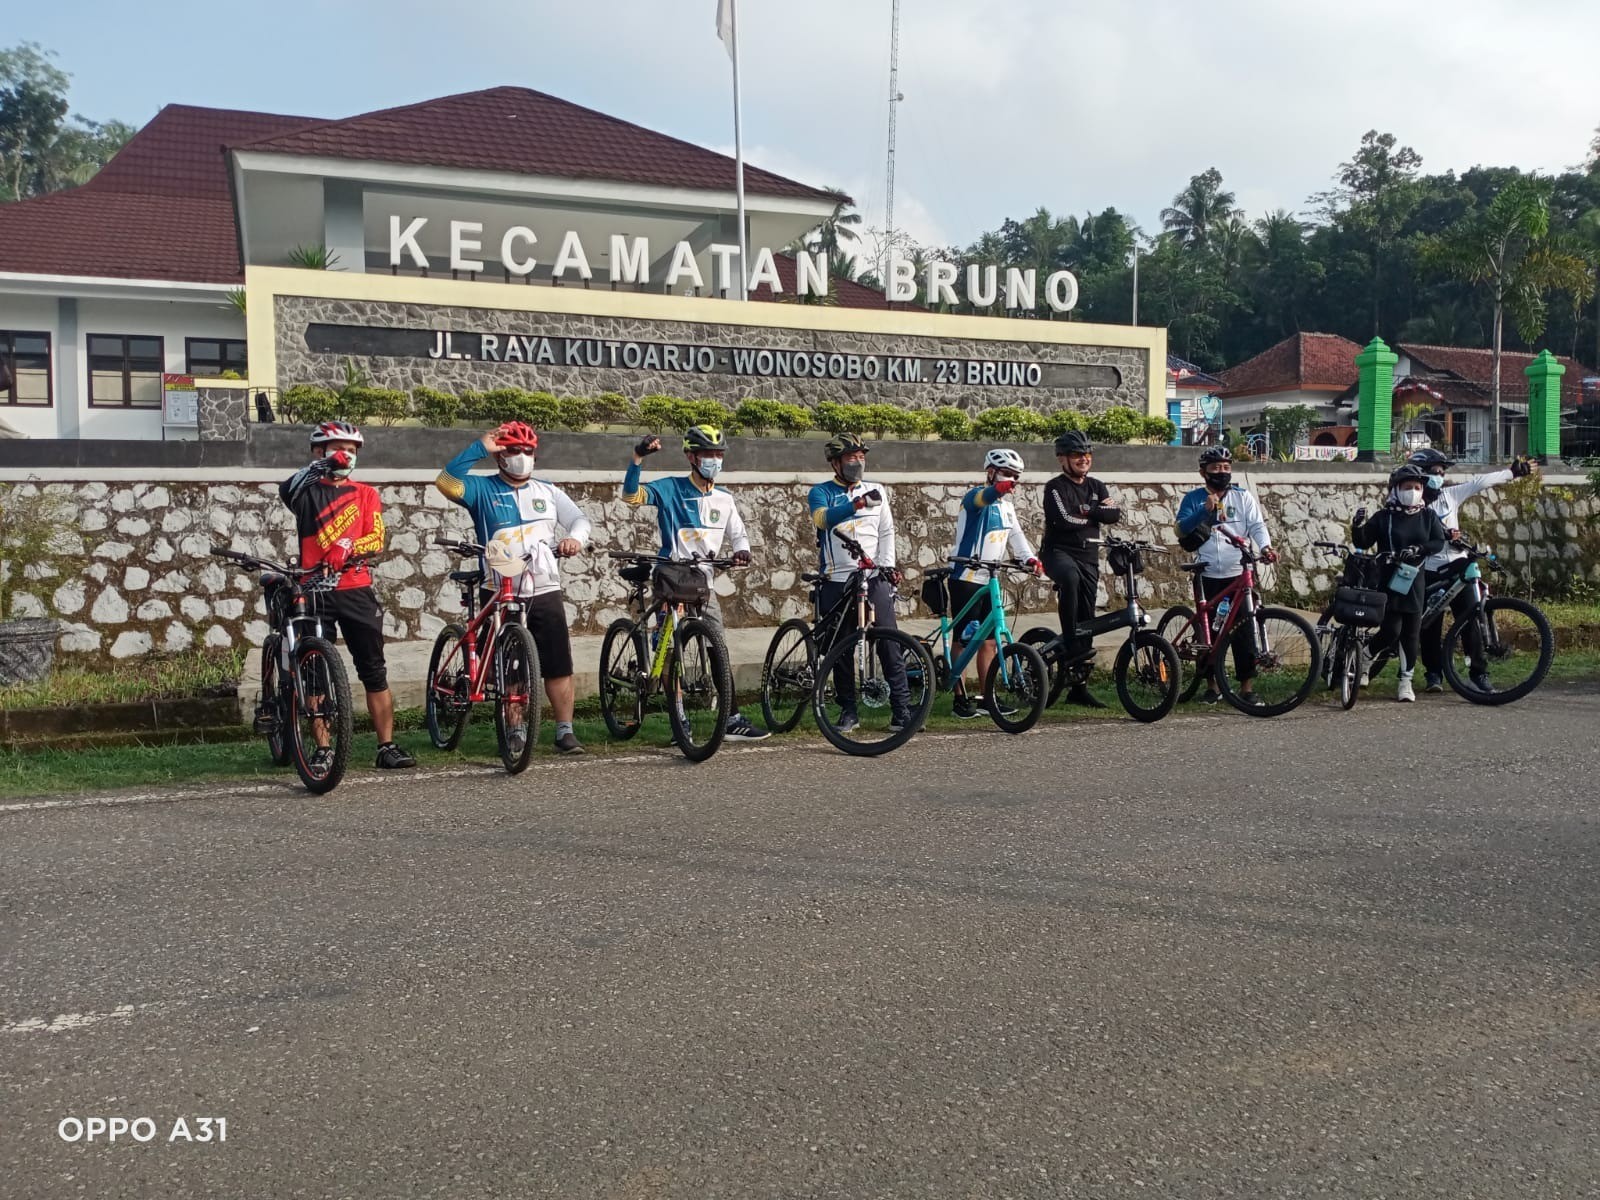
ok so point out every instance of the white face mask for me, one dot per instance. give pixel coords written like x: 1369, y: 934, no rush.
x: 709, y: 468
x: 517, y: 466
x: 1409, y: 497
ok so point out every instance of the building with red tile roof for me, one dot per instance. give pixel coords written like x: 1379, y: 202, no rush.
x: 1313, y: 369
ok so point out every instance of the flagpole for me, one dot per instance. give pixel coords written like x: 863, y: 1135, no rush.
x: 738, y: 155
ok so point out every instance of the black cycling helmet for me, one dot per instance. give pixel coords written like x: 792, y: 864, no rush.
x: 1430, y: 461
x: 841, y: 444
x: 1406, y: 473
x: 1215, y: 454
x: 1074, y: 441
x: 703, y: 437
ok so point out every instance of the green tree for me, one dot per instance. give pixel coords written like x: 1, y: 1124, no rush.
x: 1197, y: 209
x: 1507, y: 247
x: 41, y: 148
x: 1379, y: 191
x: 838, y: 228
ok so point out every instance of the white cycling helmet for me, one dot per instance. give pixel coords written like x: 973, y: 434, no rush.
x: 1004, y: 460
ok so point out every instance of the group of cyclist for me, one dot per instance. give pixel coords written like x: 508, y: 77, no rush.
x: 339, y: 524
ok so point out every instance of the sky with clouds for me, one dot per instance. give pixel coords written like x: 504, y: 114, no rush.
x: 1009, y: 104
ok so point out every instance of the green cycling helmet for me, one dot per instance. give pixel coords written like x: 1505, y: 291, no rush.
x: 703, y: 437
x: 841, y: 444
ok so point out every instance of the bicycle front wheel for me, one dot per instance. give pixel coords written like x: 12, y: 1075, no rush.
x: 1347, y: 666
x: 624, y: 678
x: 321, y: 723
x: 854, y: 700
x: 1039, y: 637
x: 272, y: 701
x: 1513, y: 658
x: 789, y: 675
x: 1177, y: 627
x: 516, y: 700
x: 1277, y: 654
x: 1148, y: 676
x: 1016, y: 688
x: 699, y: 687
x: 444, y: 702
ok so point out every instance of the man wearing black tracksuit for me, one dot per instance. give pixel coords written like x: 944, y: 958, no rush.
x: 1075, y: 507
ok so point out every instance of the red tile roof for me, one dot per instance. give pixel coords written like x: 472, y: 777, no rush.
x: 1463, y: 375
x: 528, y: 133
x: 846, y: 292
x: 1305, y: 362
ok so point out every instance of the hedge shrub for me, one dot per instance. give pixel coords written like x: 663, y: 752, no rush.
x: 308, y: 404
x: 576, y: 412
x: 435, y: 409
x: 373, y: 405
x: 1115, y: 426
x: 952, y: 425
x: 613, y: 408
x: 1008, y: 423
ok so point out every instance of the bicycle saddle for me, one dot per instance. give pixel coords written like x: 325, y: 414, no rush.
x: 1192, y: 567
x: 813, y: 577
x: 466, y: 576
x: 635, y: 572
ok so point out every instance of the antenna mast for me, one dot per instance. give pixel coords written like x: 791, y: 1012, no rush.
x: 894, y: 99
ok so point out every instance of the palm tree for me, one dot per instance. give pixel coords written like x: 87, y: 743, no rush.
x: 1589, y: 237
x: 1508, y: 246
x: 836, y: 229
x: 1234, y: 240
x: 1196, y: 210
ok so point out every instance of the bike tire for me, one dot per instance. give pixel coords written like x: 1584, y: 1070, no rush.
x: 787, y: 683
x: 1177, y: 627
x: 1547, y: 650
x: 1222, y: 661
x: 516, y: 676
x: 1158, y: 660
x: 445, y: 726
x: 316, y: 656
x: 1347, y: 666
x: 856, y: 742
x: 1031, y: 672
x: 719, y: 677
x: 624, y: 678
x: 272, y: 700
x: 1039, y: 637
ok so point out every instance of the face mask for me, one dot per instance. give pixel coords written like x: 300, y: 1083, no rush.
x: 1219, y: 481
x: 1434, y: 482
x: 518, y: 466
x: 1410, y: 497
x: 344, y: 472
x: 851, y: 472
x: 709, y: 468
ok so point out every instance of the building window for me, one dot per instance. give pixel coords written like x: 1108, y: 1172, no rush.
x: 213, y: 356
x: 124, y: 371
x: 24, y: 369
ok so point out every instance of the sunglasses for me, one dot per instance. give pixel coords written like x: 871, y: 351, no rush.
x: 1008, y: 475
x: 516, y: 449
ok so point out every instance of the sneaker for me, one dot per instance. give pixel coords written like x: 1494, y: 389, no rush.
x: 1253, y: 700
x: 964, y: 709
x: 568, y: 744
x: 847, y: 721
x: 1083, y: 697
x: 517, y: 741
x: 322, y: 760
x: 1434, y: 682
x: 1365, y: 679
x: 392, y: 758
x: 1480, y: 680
x: 899, y: 721
x: 1004, y: 709
x: 742, y: 729
x: 1211, y: 697
x: 1407, y: 692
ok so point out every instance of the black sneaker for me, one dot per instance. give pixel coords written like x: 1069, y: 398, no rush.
x: 899, y: 721
x: 322, y: 760
x: 1253, y: 700
x: 392, y: 758
x: 1481, y: 681
x: 964, y: 709
x: 568, y: 744
x: 847, y: 721
x: 1004, y: 709
x: 742, y: 729
x: 1433, y: 681
x: 1083, y: 697
x: 1211, y: 697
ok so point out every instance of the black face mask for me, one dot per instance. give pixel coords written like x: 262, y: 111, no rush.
x: 851, y: 472
x: 1219, y: 481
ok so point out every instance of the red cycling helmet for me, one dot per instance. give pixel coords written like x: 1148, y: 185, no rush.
x: 516, y: 435
x: 335, y: 431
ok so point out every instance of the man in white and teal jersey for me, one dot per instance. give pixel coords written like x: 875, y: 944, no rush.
x: 696, y: 518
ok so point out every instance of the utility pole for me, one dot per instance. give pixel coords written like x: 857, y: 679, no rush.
x: 894, y: 99
x: 1136, y: 283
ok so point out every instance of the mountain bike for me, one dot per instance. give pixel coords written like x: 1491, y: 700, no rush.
x: 681, y: 658
x: 1017, y: 683
x: 1147, y: 672
x: 1347, y: 626
x: 1273, y: 652
x: 858, y: 665
x: 304, y: 711
x: 490, y: 657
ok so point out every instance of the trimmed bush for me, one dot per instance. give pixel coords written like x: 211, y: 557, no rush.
x: 1008, y: 423
x: 1157, y: 430
x: 707, y: 412
x: 575, y: 412
x: 952, y: 425
x: 308, y: 404
x: 1115, y: 426
x: 1064, y: 420
x: 758, y: 416
x: 474, y: 407
x: 368, y: 405
x: 658, y: 413
x: 435, y: 409
x: 613, y: 408
x: 539, y: 409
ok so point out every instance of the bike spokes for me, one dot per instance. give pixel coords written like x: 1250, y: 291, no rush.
x: 699, y: 689
x: 1276, y: 653
x: 1500, y: 653
x: 789, y: 677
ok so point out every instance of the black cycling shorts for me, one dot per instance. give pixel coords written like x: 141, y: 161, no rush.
x: 356, y: 615
x: 961, y: 592
x: 546, y: 618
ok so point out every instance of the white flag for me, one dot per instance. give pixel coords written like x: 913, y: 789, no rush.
x: 725, y: 24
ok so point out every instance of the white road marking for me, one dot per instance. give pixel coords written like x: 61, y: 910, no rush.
x: 64, y: 1022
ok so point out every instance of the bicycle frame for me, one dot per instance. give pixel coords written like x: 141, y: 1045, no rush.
x: 993, y: 626
x: 487, y: 620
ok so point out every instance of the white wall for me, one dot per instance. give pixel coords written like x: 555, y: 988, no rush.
x: 1243, y: 411
x: 34, y: 314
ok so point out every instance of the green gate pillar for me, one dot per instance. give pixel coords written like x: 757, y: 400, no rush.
x: 1375, y: 410
x: 1544, y: 406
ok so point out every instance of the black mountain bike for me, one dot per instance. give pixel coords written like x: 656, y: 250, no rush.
x: 304, y: 711
x: 1147, y: 671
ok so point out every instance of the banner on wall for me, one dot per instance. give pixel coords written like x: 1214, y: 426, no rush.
x: 1324, y: 454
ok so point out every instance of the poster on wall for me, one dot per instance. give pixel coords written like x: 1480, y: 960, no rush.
x: 180, y: 405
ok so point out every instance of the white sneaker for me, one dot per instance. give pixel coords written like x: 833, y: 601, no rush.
x: 1407, y: 692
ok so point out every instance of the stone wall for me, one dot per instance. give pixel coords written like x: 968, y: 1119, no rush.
x: 1125, y: 383
x: 134, y: 575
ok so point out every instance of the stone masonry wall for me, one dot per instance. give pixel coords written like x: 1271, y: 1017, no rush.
x: 298, y: 364
x: 134, y: 575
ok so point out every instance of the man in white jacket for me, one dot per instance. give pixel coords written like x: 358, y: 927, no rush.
x: 1444, y: 567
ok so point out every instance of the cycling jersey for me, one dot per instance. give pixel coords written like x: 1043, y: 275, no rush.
x: 1449, y: 504
x: 331, y: 513
x: 1074, y: 512
x: 693, y: 523
x: 1242, y: 515
x: 518, y: 518
x: 834, y: 513
x: 987, y: 528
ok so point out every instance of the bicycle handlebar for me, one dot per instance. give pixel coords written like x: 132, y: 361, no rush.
x: 986, y: 565
x: 628, y: 556
x: 254, y: 562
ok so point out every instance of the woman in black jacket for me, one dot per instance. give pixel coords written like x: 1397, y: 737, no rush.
x: 1076, y: 505
x: 1408, y: 529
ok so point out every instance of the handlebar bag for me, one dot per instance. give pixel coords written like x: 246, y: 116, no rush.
x: 1360, y: 608
x: 936, y: 593
x: 681, y: 583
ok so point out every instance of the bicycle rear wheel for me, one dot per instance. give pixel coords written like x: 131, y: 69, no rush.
x: 1347, y: 666
x: 271, y: 704
x: 1039, y: 637
x: 699, y: 686
x: 1517, y: 648
x: 321, y: 724
x: 1148, y: 676
x: 1177, y: 627
x: 516, y: 697
x: 1016, y: 688
x: 789, y: 676
x: 1282, y: 648
x: 444, y: 696
x: 624, y: 678
x: 858, y: 660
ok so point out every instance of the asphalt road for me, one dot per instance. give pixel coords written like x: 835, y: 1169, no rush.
x: 1327, y: 955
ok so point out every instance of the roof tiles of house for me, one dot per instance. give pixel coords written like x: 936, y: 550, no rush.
x: 528, y: 133
x: 1304, y: 362
x: 1471, y: 370
x: 845, y: 292
x: 1186, y: 374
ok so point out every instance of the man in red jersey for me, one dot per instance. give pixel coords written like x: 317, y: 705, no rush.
x: 337, y: 520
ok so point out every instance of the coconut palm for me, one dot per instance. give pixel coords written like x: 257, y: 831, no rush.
x: 1196, y: 210
x: 837, y: 228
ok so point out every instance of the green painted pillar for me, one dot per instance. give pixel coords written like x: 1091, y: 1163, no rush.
x: 1375, y: 409
x: 1544, y: 406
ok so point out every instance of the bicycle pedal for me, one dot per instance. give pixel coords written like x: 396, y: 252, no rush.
x: 266, y: 724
